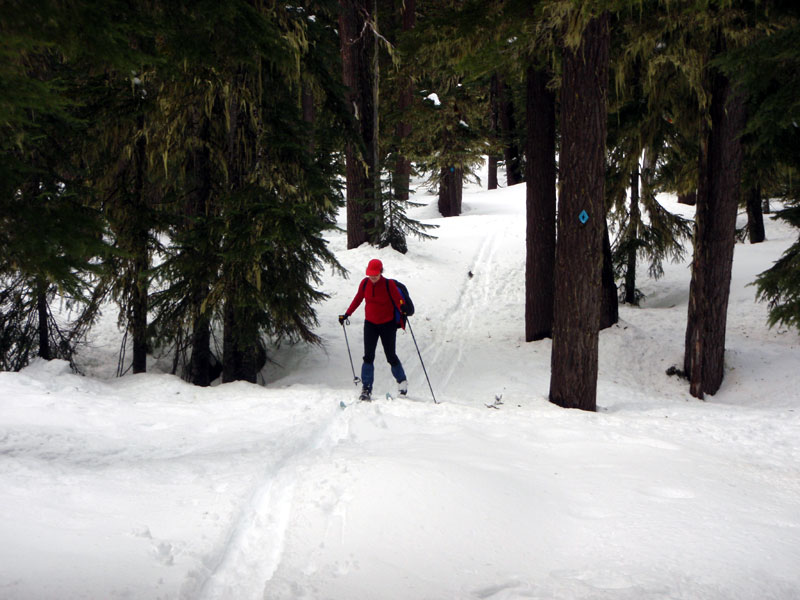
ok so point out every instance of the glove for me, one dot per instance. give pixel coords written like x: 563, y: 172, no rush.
x: 343, y: 318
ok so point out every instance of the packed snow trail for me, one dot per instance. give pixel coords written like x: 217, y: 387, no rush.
x: 486, y: 281
x: 253, y: 547
x: 483, y: 274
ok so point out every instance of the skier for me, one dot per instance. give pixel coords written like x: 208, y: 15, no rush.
x: 379, y: 293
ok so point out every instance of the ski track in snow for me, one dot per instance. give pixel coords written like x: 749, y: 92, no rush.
x: 254, y: 546
x: 490, y: 279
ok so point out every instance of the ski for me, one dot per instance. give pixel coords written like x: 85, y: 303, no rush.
x: 498, y: 402
x: 388, y: 396
x: 343, y: 404
x: 361, y: 398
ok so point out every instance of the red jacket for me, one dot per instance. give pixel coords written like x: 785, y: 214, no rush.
x: 379, y: 308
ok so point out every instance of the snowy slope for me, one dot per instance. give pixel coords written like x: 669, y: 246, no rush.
x: 145, y: 487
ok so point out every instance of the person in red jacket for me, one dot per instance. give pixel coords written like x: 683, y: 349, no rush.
x: 381, y: 296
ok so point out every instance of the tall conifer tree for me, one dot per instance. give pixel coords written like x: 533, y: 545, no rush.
x: 581, y: 218
x: 245, y: 260
x: 541, y: 205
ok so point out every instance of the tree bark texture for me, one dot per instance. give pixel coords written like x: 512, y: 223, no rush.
x: 374, y: 168
x: 451, y: 189
x: 755, y: 216
x: 494, y: 127
x: 230, y: 356
x: 236, y: 363
x: 632, y: 237
x: 196, y: 208
x: 491, y: 179
x: 609, y: 306
x: 243, y: 355
x: 714, y: 238
x: 141, y: 262
x: 540, y: 177
x: 44, y: 328
x: 139, y: 303
x: 201, y: 359
x: 507, y: 131
x: 402, y: 171
x: 581, y: 220
x: 356, y: 46
x: 648, y: 172
x: 240, y: 338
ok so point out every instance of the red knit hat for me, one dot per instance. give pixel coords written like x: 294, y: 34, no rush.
x: 375, y: 267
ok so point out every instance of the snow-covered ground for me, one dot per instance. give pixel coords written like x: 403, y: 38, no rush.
x: 146, y: 487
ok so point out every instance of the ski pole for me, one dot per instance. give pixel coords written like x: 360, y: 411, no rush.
x: 356, y: 380
x: 424, y: 370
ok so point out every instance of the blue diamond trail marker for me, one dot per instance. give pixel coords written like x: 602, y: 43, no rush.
x: 583, y: 217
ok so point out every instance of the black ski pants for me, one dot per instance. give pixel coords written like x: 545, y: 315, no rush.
x: 387, y: 333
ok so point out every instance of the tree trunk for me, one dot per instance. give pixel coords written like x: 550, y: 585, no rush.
x: 197, y: 209
x: 239, y: 353
x: 755, y: 215
x: 356, y: 47
x: 540, y: 179
x: 632, y: 239
x: 139, y: 305
x: 494, y: 128
x: 715, y: 231
x: 231, y: 355
x: 44, y: 328
x: 374, y: 169
x: 507, y: 130
x: 581, y: 220
x: 402, y: 171
x: 141, y: 262
x: 450, y: 191
x: 648, y: 173
x: 492, y: 176
x: 239, y: 333
x: 201, y: 359
x: 609, y: 308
